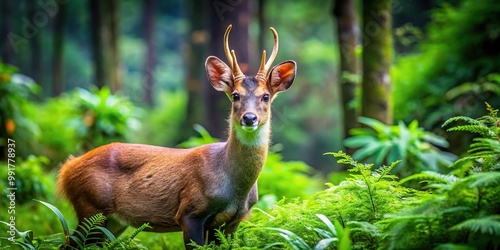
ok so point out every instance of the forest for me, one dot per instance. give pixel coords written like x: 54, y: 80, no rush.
x: 388, y: 138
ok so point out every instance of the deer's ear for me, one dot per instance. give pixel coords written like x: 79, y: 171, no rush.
x: 282, y: 76
x: 219, y: 74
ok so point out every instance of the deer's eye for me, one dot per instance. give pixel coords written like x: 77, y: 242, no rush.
x: 265, y: 98
x: 236, y: 97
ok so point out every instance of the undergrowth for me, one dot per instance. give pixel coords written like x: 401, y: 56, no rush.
x: 353, y: 207
x: 463, y: 210
x: 458, y: 210
x: 88, y: 236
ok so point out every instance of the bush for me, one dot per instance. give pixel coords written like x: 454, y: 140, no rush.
x: 30, y: 179
x: 16, y: 90
x: 59, y: 138
x: 87, y: 237
x: 102, y: 118
x: 382, y: 144
x: 81, y: 120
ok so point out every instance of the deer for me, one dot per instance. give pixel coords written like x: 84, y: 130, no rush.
x: 195, y: 190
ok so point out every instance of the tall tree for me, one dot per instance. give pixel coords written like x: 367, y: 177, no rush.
x: 220, y: 15
x: 104, y: 35
x: 112, y: 12
x: 98, y: 35
x: 148, y: 27
x: 344, y: 12
x: 377, y: 54
x: 36, y: 50
x: 195, y: 52
x: 57, y: 69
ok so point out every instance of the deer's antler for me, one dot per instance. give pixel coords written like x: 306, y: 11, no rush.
x: 264, y: 67
x: 231, y: 57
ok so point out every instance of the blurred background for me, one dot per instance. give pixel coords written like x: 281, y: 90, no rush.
x: 78, y: 74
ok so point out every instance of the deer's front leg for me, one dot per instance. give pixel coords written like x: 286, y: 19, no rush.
x: 193, y: 229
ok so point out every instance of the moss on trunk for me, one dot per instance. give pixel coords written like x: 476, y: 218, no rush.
x: 377, y: 55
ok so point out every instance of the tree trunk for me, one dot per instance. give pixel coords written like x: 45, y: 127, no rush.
x: 344, y: 12
x: 97, y: 36
x: 114, y: 50
x: 58, y: 71
x: 221, y: 14
x: 105, y: 34
x: 377, y: 55
x: 148, y: 26
x: 195, y: 53
x: 36, y: 50
x: 6, y: 20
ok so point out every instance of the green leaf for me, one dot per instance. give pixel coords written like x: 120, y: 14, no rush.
x: 345, y: 240
x: 369, y: 149
x: 295, y: 241
x: 432, y: 177
x: 324, y: 243
x: 359, y: 141
x: 435, y: 139
x: 374, y: 124
x: 59, y: 215
x: 484, y: 179
x: 328, y: 223
x: 485, y: 225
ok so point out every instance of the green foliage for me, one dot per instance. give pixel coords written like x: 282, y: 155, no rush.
x: 166, y: 116
x: 54, y: 117
x: 204, y: 138
x: 370, y: 180
x: 463, y: 212
x: 357, y: 203
x: 484, y: 152
x: 80, y: 120
x: 15, y: 91
x: 416, y: 148
x: 334, y: 235
x: 88, y: 235
x: 277, y: 174
x: 30, y: 179
x: 446, y: 78
x: 103, y: 117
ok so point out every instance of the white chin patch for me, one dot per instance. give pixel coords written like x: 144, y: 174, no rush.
x: 249, y: 128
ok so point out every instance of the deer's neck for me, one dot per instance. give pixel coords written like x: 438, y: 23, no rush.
x: 246, y: 154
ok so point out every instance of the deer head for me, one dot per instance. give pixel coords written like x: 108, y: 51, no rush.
x: 251, y: 95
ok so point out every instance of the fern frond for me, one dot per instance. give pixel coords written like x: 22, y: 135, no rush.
x: 492, y: 112
x: 462, y: 118
x: 484, y: 225
x: 138, y: 230
x: 90, y: 228
x: 384, y: 170
x: 490, y: 145
x: 432, y: 177
x: 478, y: 129
x: 125, y: 241
x: 484, y: 179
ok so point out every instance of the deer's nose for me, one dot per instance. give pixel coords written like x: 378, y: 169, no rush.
x: 249, y: 119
